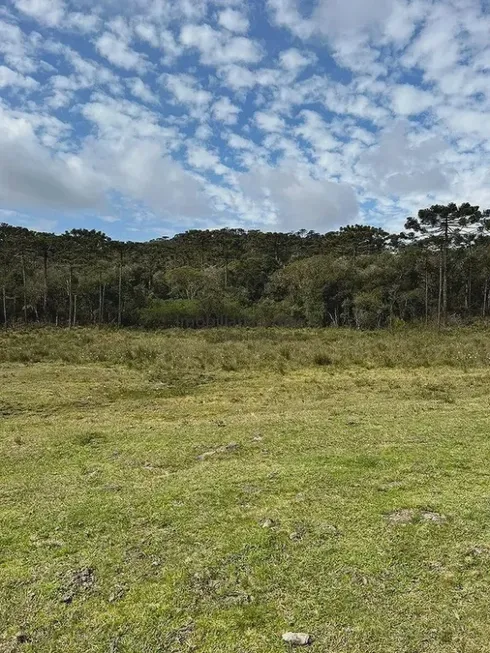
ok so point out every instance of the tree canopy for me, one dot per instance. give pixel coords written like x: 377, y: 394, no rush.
x: 437, y: 270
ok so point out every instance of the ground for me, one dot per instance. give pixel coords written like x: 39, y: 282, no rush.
x: 137, y: 515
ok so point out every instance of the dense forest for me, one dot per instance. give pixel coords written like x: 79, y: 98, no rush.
x: 436, y: 271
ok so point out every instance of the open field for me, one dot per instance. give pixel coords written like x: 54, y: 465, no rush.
x: 352, y: 504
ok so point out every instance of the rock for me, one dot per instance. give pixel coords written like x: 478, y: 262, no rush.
x: 403, y: 516
x: 67, y: 598
x: 297, y: 639
x: 434, y: 517
x: 206, y: 454
x: 392, y: 485
x: 327, y: 530
x: 84, y: 579
x: 228, y: 448
x: 295, y: 536
x: 267, y: 523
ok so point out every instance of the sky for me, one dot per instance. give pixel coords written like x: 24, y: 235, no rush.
x: 144, y: 118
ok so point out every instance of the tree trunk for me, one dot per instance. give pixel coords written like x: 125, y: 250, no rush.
x: 426, y: 294
x: 70, y: 297
x: 485, y: 298
x: 24, y: 286
x: 444, y: 287
x: 4, y: 302
x: 119, y: 304
x: 99, y: 321
x: 75, y: 297
x: 439, y: 299
x: 45, y: 293
x: 103, y: 303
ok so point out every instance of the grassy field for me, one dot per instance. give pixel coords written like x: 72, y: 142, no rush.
x: 209, y: 491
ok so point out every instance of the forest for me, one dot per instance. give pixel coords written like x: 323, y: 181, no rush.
x: 437, y: 271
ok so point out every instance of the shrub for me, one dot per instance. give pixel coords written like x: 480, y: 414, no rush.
x: 322, y: 359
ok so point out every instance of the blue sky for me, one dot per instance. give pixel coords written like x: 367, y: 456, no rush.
x: 149, y: 117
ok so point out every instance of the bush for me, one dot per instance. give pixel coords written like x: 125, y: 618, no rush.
x: 322, y: 359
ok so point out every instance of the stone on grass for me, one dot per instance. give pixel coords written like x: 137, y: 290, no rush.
x: 22, y: 638
x: 434, y: 517
x: 228, y: 448
x: 206, y: 454
x: 403, y: 516
x: 267, y: 523
x: 297, y: 639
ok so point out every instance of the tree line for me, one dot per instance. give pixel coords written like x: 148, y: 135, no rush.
x: 436, y: 271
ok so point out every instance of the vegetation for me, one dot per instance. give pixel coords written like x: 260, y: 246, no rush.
x: 210, y: 490
x: 438, y: 270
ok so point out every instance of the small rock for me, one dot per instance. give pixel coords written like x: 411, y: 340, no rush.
x: 434, y: 517
x: 67, y: 599
x: 84, y: 579
x: 297, y: 639
x: 206, y: 454
x: 233, y: 446
x: 295, y: 536
x: 22, y: 638
x: 227, y: 448
x: 477, y: 551
x: 392, y: 485
x: 118, y: 594
x: 329, y: 530
x: 403, y: 516
x: 267, y: 523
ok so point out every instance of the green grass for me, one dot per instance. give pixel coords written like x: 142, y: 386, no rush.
x: 116, y: 537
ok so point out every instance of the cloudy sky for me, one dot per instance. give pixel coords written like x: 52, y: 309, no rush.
x: 148, y: 117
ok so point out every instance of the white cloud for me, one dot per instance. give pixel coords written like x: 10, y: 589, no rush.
x: 239, y: 143
x: 17, y: 48
x: 331, y: 18
x: 140, y: 90
x: 219, y: 47
x: 49, y: 12
x: 131, y: 153
x: 203, y: 132
x: 186, y: 90
x: 316, y: 132
x: 143, y: 171
x: 81, y: 22
x: 294, y: 60
x: 329, y: 128
x: 31, y: 177
x: 225, y: 111
x: 159, y: 38
x: 14, y: 79
x: 119, y: 53
x: 237, y: 78
x: 294, y: 199
x: 409, y: 100
x: 200, y: 157
x: 269, y: 122
x: 401, y: 165
x: 234, y: 21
